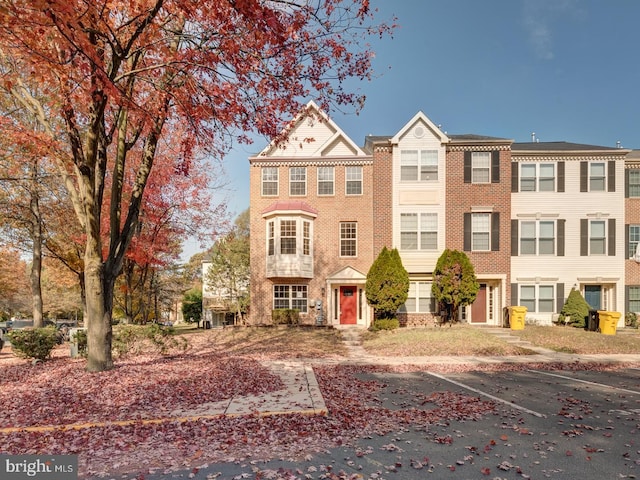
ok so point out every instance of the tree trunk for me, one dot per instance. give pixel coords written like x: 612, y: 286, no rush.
x: 36, y: 259
x: 98, y: 309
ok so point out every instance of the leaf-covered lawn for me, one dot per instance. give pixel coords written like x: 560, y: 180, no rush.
x: 458, y: 340
x: 280, y: 342
x: 218, y: 365
x: 580, y: 341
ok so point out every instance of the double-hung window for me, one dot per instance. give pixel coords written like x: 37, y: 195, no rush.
x: 288, y: 237
x: 418, y: 231
x: 537, y: 298
x: 634, y: 239
x: 419, y: 298
x: 348, y: 239
x: 297, y: 181
x: 537, y: 237
x: 537, y: 177
x: 597, y: 176
x: 326, y: 178
x: 597, y: 237
x: 634, y: 299
x: 290, y: 297
x: 271, y: 238
x: 269, y: 181
x: 634, y: 183
x: 481, y: 167
x: 481, y: 231
x: 418, y: 165
x: 353, y: 178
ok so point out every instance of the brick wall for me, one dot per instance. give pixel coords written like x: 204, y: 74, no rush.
x: 326, y: 231
x: 461, y: 197
x: 382, y: 205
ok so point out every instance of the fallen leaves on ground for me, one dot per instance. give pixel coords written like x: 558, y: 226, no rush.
x: 60, y: 392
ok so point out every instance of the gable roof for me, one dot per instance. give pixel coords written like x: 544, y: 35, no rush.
x: 421, y: 117
x: 326, y: 142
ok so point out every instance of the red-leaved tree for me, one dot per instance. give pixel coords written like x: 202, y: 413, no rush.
x: 115, y: 77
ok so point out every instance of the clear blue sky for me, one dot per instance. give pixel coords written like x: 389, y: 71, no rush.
x: 568, y: 70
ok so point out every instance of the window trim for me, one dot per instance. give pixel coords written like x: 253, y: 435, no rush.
x: 633, y: 187
x: 537, y: 237
x: 634, y: 231
x: 424, y: 158
x: 421, y: 219
x: 537, y: 177
x: 537, y: 298
x: 291, y: 288
x: 297, y: 181
x: 348, y: 240
x: 319, y: 182
x: 275, y: 181
x: 633, y: 289
x: 302, y: 224
x: 416, y: 290
x: 603, y: 239
x: 592, y: 178
x: 348, y: 172
x: 488, y: 232
x: 475, y: 158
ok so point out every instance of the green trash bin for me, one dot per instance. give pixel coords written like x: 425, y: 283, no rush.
x: 517, y: 315
x: 608, y: 322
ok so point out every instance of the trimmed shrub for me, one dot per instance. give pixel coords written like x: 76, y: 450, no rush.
x: 385, y: 324
x: 576, y: 308
x: 631, y: 320
x: 36, y: 343
x: 285, y: 316
x: 387, y: 284
x: 136, y: 339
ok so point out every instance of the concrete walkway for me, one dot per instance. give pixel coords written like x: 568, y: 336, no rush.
x: 302, y: 393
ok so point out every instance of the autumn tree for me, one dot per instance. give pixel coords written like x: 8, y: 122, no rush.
x: 227, y: 277
x: 387, y: 284
x: 14, y: 285
x: 454, y: 283
x: 119, y: 76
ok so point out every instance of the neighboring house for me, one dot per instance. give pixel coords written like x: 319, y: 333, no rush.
x: 632, y: 232
x: 535, y: 219
x: 312, y: 225
x: 219, y: 308
x: 567, y: 226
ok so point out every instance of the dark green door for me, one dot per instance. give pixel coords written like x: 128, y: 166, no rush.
x: 592, y: 294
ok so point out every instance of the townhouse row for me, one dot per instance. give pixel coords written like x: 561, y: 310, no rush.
x: 536, y: 219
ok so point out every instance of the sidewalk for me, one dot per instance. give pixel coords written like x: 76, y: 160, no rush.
x: 302, y: 394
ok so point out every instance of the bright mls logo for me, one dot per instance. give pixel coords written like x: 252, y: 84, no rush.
x: 45, y: 467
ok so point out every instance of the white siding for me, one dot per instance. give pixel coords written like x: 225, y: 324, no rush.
x: 572, y: 268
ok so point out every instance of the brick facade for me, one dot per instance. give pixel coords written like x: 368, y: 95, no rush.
x: 383, y: 200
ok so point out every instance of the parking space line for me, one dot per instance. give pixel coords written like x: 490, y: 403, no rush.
x: 488, y: 395
x: 585, y: 381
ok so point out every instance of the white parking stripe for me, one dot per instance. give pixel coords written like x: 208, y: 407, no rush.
x: 488, y: 395
x: 585, y: 381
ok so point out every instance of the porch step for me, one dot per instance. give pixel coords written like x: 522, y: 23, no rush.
x: 352, y: 339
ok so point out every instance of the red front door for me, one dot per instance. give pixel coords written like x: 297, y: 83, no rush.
x: 348, y: 305
x: 479, y: 306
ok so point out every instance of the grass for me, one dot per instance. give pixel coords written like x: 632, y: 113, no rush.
x: 458, y: 340
x: 579, y: 341
x: 279, y: 342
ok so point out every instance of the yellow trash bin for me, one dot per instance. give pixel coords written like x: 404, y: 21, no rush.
x: 608, y: 322
x: 516, y: 317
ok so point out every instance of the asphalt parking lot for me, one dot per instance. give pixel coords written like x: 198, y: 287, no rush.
x: 559, y: 425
